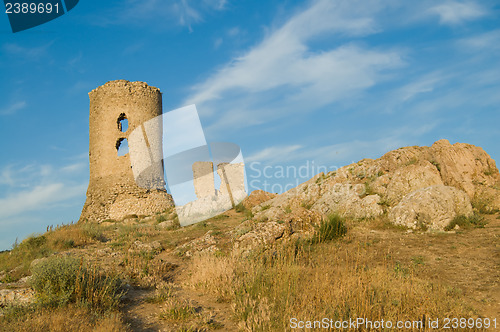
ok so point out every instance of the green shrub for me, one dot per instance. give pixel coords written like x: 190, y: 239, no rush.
x: 330, y: 229
x: 482, y: 203
x: 93, y: 232
x: 465, y: 222
x: 307, y: 205
x: 58, y: 281
x: 54, y: 280
x: 240, y: 208
x: 161, y: 218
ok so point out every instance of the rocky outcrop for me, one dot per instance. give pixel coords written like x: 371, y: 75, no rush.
x: 21, y: 296
x: 369, y: 188
x: 259, y: 234
x: 257, y: 197
x: 409, y: 178
x: 431, y: 208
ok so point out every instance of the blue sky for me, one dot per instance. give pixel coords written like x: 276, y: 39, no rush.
x: 294, y: 83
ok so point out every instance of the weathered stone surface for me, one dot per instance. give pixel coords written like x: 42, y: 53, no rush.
x: 431, y: 208
x: 113, y: 191
x: 203, y: 178
x: 261, y: 234
x: 232, y: 177
x: 203, y: 244
x: 257, y: 197
x: 21, y: 296
x: 464, y: 166
x: 139, y: 246
x: 409, y: 178
x: 347, y: 200
x: 207, y: 207
x: 130, y: 204
x: 369, y: 187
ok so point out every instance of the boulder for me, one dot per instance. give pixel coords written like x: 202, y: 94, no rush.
x: 20, y: 296
x: 464, y: 166
x: 262, y: 233
x: 431, y: 208
x: 409, y: 178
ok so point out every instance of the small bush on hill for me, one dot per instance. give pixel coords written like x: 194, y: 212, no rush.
x: 465, y: 222
x: 330, y: 229
x: 58, y: 281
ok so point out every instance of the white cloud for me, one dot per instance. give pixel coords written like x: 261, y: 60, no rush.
x: 183, y: 12
x: 37, y: 187
x: 454, y: 12
x: 13, y: 108
x: 27, y: 53
x: 332, y: 156
x: 283, y: 74
x: 489, y: 40
x: 218, y: 43
x: 39, y: 197
x: 275, y: 154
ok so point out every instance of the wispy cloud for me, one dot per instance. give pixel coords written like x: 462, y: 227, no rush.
x: 27, y: 53
x: 13, y: 108
x: 39, y: 197
x: 274, y: 154
x: 184, y: 12
x: 454, y: 12
x: 38, y: 187
x: 285, y: 74
x: 332, y: 155
x: 489, y: 40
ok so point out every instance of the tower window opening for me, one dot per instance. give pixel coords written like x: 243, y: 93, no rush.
x: 122, y: 123
x: 122, y: 146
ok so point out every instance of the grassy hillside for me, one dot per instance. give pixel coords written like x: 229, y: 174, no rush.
x: 147, y: 273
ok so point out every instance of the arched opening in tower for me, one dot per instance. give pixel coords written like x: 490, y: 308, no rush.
x: 122, y: 123
x: 122, y: 146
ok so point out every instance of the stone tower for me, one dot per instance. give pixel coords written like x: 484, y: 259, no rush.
x: 116, y: 109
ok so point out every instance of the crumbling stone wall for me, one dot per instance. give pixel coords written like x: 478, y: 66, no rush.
x: 203, y: 179
x: 232, y: 178
x: 113, y: 192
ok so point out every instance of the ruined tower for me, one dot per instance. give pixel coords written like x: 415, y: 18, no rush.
x: 116, y: 109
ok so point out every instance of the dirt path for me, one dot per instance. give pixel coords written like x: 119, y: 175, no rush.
x: 142, y: 315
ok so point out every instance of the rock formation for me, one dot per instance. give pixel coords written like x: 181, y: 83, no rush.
x: 416, y: 186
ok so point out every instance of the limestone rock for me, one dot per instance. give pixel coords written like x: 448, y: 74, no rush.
x: 203, y: 244
x: 431, y: 208
x: 262, y: 233
x: 464, y: 166
x: 139, y: 246
x: 21, y: 296
x: 257, y: 197
x: 409, y: 178
x: 369, y: 187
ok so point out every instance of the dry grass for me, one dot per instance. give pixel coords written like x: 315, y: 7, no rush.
x: 17, y: 261
x: 309, y: 282
x: 70, y: 318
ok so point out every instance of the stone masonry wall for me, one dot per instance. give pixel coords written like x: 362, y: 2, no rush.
x: 113, y: 192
